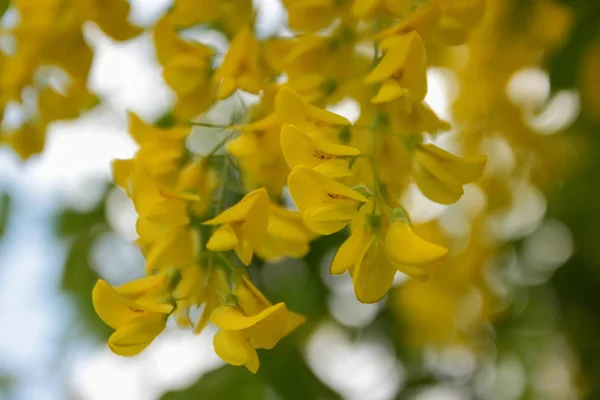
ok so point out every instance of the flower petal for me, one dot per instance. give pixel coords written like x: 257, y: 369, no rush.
x: 242, y: 209
x: 235, y: 349
x: 350, y: 252
x: 373, y: 276
x: 434, y: 181
x: 403, y: 246
x: 464, y: 169
x: 223, y: 239
x: 133, y: 337
x: 328, y: 218
x: 232, y: 319
x: 116, y: 310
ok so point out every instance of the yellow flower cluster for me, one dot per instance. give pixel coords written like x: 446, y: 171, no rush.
x: 453, y: 306
x: 47, y: 59
x: 199, y: 228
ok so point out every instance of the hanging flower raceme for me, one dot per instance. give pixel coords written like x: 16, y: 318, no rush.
x: 194, y: 209
x: 47, y: 59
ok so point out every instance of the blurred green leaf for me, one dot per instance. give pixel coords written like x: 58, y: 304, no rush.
x: 165, y: 121
x: 564, y: 67
x: 5, y: 207
x: 79, y: 279
x: 284, y: 369
x: 79, y: 275
x: 4, y: 6
x: 6, y: 383
x: 225, y: 383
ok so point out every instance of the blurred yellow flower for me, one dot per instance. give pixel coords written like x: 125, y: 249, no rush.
x: 240, y: 68
x: 441, y: 175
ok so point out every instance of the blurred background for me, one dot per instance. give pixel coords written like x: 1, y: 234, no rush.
x: 514, y: 315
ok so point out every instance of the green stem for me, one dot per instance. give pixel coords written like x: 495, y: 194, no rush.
x: 219, y: 207
x: 227, y: 261
x: 219, y: 145
x: 207, y: 125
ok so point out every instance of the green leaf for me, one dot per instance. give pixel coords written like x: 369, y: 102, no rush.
x: 5, y: 206
x: 225, y: 383
x: 4, y: 6
x: 79, y: 275
x: 285, y: 370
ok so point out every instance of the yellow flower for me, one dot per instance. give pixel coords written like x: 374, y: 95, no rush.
x: 126, y: 309
x: 55, y: 106
x: 420, y: 118
x: 275, y: 51
x: 240, y: 68
x: 167, y: 246
x: 327, y: 205
x: 199, y: 179
x: 323, y: 55
x: 258, y: 150
x: 406, y: 249
x: 312, y: 87
x: 227, y: 16
x: 286, y: 235
x: 151, y: 200
x: 376, y: 249
x: 255, y: 324
x: 291, y: 109
x: 243, y: 226
x: 450, y: 21
x: 27, y: 140
x: 459, y: 18
x: 166, y: 237
x: 187, y: 69
x: 312, y: 15
x: 424, y: 21
x: 196, y: 288
x: 368, y: 8
x: 440, y: 175
x: 322, y: 155
x: 161, y: 150
x: 111, y: 17
x: 402, y: 71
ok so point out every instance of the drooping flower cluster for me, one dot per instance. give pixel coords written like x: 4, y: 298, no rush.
x: 452, y: 307
x: 203, y: 219
x: 45, y: 63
